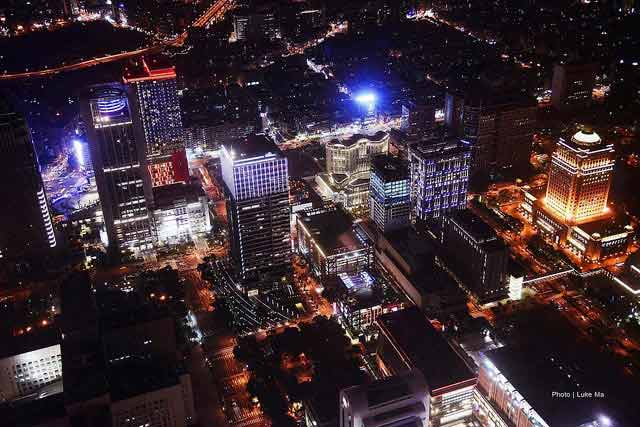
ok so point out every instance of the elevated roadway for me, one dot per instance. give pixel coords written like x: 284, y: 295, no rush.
x: 213, y: 13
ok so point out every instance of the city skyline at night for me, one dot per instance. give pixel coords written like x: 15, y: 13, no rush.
x: 314, y: 213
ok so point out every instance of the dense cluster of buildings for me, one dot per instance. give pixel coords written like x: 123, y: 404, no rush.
x: 141, y: 170
x: 110, y: 359
x: 394, y: 239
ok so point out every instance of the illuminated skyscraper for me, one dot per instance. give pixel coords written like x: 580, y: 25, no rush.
x: 118, y: 156
x: 580, y: 177
x: 25, y: 221
x: 389, y: 198
x: 156, y: 93
x: 256, y: 178
x: 574, y: 213
x: 439, y: 177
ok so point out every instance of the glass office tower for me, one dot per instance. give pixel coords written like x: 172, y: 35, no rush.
x: 118, y: 156
x: 256, y: 178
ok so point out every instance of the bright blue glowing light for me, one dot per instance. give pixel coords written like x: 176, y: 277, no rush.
x: 366, y: 98
x: 605, y: 421
x: 78, y: 150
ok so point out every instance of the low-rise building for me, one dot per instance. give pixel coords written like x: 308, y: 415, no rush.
x: 348, y: 169
x: 361, y: 299
x: 475, y: 255
x: 395, y: 401
x: 409, y: 341
x: 332, y: 243
x: 180, y: 213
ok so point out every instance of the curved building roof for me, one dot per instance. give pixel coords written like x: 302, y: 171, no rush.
x: 586, y: 137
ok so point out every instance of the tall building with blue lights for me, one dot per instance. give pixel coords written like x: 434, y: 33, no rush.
x: 25, y: 222
x: 256, y: 178
x: 439, y: 177
x: 118, y: 155
x: 155, y: 92
x: 389, y: 195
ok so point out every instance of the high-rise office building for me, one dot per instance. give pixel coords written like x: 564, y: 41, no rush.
x: 396, y: 401
x: 439, y: 177
x: 389, y: 195
x: 499, y: 129
x: 256, y: 178
x: 25, y: 223
x: 118, y: 155
x: 580, y: 177
x: 572, y: 85
x: 418, y: 118
x: 575, y: 212
x: 156, y: 93
x: 475, y: 255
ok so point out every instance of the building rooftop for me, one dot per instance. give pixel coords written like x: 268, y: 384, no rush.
x: 332, y: 230
x: 407, y: 388
x: 629, y: 280
x: 609, y: 224
x: 359, y: 290
x: 29, y: 341
x: 34, y: 412
x: 253, y: 146
x: 586, y: 137
x: 124, y: 309
x: 471, y: 223
x: 389, y: 168
x: 354, y: 139
x: 426, y: 349
x: 543, y: 341
x: 428, y: 149
x: 148, y: 69
x: 551, y: 374
x: 167, y: 195
x: 134, y: 377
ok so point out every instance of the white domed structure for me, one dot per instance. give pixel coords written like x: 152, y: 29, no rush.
x: 586, y: 137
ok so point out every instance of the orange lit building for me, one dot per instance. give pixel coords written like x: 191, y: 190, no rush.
x: 574, y: 212
x: 580, y: 177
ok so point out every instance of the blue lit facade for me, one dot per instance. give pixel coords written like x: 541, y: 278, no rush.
x: 389, y: 193
x: 439, y: 178
x: 256, y: 178
x: 118, y: 157
x: 156, y: 93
